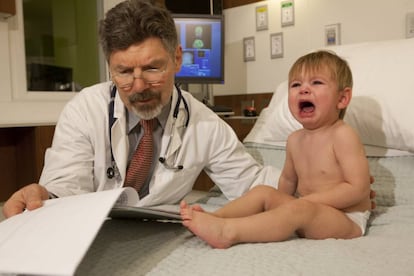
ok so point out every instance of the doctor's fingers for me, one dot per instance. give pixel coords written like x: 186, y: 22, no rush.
x: 33, y: 196
x: 29, y: 197
x: 13, y: 207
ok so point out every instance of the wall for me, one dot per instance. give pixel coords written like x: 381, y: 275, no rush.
x: 368, y: 20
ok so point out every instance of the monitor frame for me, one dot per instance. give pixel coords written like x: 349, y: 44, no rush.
x: 202, y: 19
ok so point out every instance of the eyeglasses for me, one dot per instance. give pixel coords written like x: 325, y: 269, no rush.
x: 125, y: 80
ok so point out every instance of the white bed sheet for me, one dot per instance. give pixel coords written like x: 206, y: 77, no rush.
x: 132, y: 247
x: 387, y: 248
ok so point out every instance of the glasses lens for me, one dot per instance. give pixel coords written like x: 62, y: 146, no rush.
x: 152, y: 76
x: 124, y: 80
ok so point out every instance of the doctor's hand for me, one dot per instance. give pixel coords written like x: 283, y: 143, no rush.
x: 29, y: 197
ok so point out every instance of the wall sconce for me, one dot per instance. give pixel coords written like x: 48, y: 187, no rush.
x: 7, y: 8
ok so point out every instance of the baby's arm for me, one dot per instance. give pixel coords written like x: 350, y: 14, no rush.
x: 288, y: 178
x: 350, y: 155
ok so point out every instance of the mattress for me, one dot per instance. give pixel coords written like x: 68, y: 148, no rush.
x: 131, y: 247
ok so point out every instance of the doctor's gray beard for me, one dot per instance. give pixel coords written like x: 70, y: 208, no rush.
x: 146, y: 112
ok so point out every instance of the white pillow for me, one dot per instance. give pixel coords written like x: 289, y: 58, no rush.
x: 275, y: 122
x: 380, y: 109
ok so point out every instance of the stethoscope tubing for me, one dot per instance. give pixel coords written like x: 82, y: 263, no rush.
x: 111, y: 171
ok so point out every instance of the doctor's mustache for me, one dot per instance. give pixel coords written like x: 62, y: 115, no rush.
x: 143, y: 96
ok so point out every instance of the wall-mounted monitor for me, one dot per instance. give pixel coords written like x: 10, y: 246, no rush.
x: 202, y: 40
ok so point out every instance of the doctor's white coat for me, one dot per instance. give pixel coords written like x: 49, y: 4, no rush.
x: 80, y: 154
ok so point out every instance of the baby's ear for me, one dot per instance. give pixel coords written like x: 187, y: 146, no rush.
x: 344, y: 98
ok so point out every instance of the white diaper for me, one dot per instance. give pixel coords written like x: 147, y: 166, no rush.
x: 360, y: 218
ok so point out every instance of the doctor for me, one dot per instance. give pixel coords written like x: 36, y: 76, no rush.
x: 98, y: 131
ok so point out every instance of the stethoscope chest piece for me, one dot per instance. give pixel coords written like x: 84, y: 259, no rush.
x: 110, y: 173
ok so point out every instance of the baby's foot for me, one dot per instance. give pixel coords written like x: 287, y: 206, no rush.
x: 206, y: 226
x: 186, y: 211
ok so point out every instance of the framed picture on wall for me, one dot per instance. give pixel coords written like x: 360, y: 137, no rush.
x: 287, y: 10
x: 249, y: 50
x: 276, y: 45
x: 333, y: 34
x: 261, y: 18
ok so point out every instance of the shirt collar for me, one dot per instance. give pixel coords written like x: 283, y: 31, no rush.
x: 133, y: 119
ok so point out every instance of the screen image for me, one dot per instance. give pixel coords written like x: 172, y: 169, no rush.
x: 202, y: 40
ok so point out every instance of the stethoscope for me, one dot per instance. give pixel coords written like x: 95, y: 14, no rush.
x: 112, y: 171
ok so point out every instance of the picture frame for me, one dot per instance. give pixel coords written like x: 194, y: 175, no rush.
x: 249, y: 50
x: 333, y: 34
x: 262, y: 21
x: 276, y: 45
x: 287, y: 13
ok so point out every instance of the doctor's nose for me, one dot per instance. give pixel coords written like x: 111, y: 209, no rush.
x: 139, y: 85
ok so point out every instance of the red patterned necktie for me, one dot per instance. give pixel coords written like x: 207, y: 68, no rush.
x: 141, y: 160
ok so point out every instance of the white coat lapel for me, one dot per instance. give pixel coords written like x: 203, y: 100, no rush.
x: 120, y: 144
x: 174, y: 132
x: 177, y: 132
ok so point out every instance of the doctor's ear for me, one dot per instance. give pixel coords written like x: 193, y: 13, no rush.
x: 178, y: 58
x: 344, y: 98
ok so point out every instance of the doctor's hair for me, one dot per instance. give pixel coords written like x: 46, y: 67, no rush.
x: 328, y: 61
x: 133, y: 21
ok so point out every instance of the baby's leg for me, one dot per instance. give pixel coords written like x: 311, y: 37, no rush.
x: 322, y: 222
x: 259, y: 199
x: 225, y: 232
x: 310, y: 220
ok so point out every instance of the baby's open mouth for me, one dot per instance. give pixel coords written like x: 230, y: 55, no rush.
x: 306, y: 106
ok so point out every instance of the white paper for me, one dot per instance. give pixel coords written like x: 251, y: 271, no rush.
x: 128, y: 197
x: 53, y: 239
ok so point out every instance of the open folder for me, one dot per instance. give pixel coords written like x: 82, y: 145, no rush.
x: 53, y: 239
x: 164, y: 212
x: 125, y: 207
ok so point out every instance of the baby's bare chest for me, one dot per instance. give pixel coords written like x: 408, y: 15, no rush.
x: 316, y: 166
